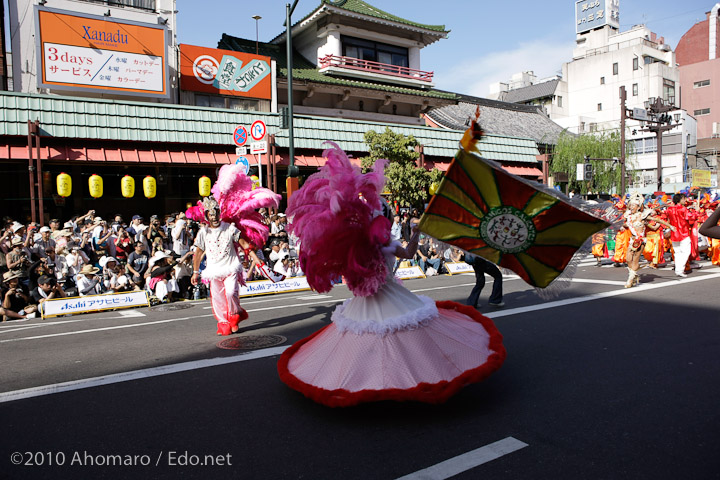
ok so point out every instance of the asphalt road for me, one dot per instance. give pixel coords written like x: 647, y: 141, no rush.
x: 601, y: 382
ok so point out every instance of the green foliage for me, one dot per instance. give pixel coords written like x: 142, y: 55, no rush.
x: 407, y: 183
x: 571, y: 150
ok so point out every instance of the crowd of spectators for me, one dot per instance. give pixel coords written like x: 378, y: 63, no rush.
x: 89, y: 254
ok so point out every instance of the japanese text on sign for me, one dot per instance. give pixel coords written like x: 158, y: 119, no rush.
x: 87, y: 66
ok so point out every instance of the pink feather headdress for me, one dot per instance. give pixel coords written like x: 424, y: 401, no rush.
x: 238, y: 204
x: 334, y: 216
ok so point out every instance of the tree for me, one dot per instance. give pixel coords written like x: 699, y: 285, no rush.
x: 407, y: 183
x: 571, y: 150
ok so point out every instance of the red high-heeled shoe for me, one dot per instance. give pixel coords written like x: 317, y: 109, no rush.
x: 223, y: 328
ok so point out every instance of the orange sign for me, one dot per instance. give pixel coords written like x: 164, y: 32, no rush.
x: 79, y: 52
x: 225, y: 72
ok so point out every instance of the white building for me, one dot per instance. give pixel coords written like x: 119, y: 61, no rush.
x: 586, y: 98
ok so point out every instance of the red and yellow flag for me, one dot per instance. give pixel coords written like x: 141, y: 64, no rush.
x: 483, y: 209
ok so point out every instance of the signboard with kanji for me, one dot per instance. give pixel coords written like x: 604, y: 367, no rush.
x: 83, y: 52
x: 701, y: 178
x: 591, y: 14
x: 225, y: 72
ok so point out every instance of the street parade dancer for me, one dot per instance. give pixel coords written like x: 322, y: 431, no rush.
x: 232, y: 219
x: 384, y: 343
x: 638, y: 221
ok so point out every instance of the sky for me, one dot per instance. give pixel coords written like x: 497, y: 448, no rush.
x: 488, y: 42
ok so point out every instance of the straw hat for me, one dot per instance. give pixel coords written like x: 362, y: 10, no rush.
x: 88, y: 270
x: 7, y: 276
x: 16, y: 241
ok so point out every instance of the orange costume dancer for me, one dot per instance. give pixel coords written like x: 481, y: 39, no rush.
x: 622, y: 239
x: 654, y: 251
x: 599, y: 250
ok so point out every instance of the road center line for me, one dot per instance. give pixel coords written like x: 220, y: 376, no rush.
x: 136, y: 375
x: 466, y: 461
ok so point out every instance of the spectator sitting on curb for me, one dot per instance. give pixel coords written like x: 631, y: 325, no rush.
x: 160, y: 279
x: 137, y: 264
x: 16, y: 297
x: 87, y: 281
x: 47, y: 289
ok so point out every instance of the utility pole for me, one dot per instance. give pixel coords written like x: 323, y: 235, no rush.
x: 292, y: 181
x: 623, y: 116
x: 659, y: 121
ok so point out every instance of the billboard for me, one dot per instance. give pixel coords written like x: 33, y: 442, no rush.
x: 225, y: 72
x: 86, y: 52
x: 590, y: 14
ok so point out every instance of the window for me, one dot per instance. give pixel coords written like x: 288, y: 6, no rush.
x: 559, y: 101
x: 593, y: 127
x: 615, y: 68
x: 669, y: 91
x: 374, y: 51
x: 645, y: 145
x: 599, y: 107
x: 635, y: 89
x: 635, y: 63
x: 247, y: 104
x: 602, y: 80
x: 701, y: 83
x: 702, y: 111
x: 143, y: 4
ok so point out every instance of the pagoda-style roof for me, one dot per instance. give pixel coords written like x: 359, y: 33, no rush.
x: 358, y: 10
x: 304, y: 70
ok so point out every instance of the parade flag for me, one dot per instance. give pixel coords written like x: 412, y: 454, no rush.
x: 483, y: 209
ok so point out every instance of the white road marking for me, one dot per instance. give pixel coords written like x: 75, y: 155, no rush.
x: 135, y: 375
x: 466, y: 461
x: 597, y: 296
x: 598, y: 281
x: 116, y: 327
x: 131, y: 313
x: 495, y: 314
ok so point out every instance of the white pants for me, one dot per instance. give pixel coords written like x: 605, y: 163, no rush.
x: 682, y: 253
x: 163, y: 287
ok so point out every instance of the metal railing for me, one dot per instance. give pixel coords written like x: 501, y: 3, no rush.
x: 140, y: 4
x: 374, y: 67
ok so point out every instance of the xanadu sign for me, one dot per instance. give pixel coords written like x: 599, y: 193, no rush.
x: 225, y: 72
x: 84, y: 52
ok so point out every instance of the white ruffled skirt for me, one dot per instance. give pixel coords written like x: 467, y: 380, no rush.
x: 393, y: 345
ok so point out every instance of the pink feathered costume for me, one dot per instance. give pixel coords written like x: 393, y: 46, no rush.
x: 238, y: 202
x: 385, y: 343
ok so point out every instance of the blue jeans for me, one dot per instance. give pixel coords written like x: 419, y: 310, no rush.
x: 433, y: 262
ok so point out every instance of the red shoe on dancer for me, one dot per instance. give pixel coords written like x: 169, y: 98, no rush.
x: 232, y: 221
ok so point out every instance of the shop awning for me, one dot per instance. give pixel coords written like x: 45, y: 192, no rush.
x: 523, y: 171
x: 117, y: 155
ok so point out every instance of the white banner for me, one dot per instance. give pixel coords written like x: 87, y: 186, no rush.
x: 409, y: 272
x: 459, y: 267
x: 264, y: 287
x: 93, y: 303
x: 102, y: 68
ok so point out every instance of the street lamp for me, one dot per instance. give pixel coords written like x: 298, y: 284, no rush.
x: 256, y: 17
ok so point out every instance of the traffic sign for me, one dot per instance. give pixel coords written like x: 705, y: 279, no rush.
x: 242, y: 161
x: 258, y: 147
x: 240, y: 136
x: 258, y: 130
x: 241, y: 150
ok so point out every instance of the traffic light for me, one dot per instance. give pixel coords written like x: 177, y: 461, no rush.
x: 588, y: 172
x: 284, y: 118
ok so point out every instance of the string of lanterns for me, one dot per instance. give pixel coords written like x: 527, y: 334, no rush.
x: 127, y: 186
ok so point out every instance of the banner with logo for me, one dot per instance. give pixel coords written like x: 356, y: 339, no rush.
x: 264, y: 287
x: 93, y: 303
x: 80, y: 52
x: 225, y: 72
